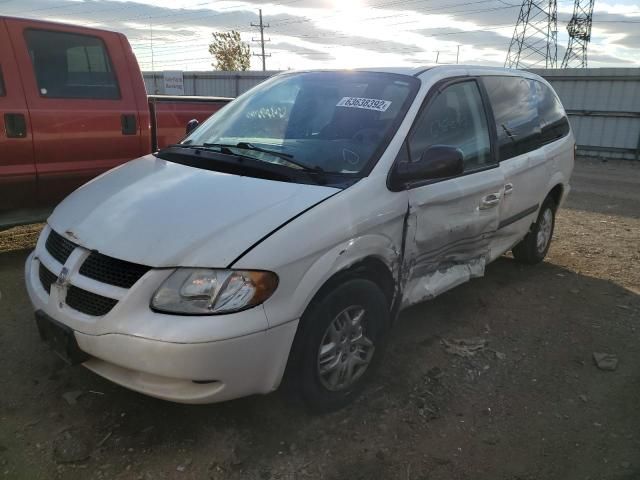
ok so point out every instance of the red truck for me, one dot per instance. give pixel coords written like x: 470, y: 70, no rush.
x: 72, y: 105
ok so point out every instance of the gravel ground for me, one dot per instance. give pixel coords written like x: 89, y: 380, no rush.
x: 20, y: 238
x: 530, y: 404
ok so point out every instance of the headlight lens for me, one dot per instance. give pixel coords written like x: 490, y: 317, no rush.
x: 199, y: 291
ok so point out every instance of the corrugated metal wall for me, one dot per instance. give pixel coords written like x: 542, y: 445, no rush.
x: 603, y: 103
x: 210, y: 84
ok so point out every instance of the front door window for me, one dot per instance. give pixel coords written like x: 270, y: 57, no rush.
x: 455, y: 117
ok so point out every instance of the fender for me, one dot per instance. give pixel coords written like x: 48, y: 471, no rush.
x: 347, y: 254
x: 363, y: 221
x: 337, y: 259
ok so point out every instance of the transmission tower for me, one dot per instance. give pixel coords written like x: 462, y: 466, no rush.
x: 535, y: 38
x: 579, y: 29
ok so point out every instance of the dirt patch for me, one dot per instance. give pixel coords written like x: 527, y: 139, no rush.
x: 602, y: 246
x: 20, y: 238
x: 528, y: 403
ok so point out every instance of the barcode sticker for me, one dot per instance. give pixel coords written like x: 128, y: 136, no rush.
x: 366, y: 103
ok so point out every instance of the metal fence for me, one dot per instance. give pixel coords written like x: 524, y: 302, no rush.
x: 603, y: 103
x: 210, y: 84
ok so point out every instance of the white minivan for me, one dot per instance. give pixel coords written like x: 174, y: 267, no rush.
x: 282, y: 237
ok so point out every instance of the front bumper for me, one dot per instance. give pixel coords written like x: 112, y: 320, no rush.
x: 177, y: 358
x: 192, y: 373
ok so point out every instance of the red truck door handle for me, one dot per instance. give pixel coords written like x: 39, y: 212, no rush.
x: 15, y: 125
x: 128, y: 122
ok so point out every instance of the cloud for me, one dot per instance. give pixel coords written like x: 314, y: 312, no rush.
x: 284, y: 47
x: 331, y: 33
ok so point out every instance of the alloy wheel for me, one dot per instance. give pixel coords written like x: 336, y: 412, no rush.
x: 345, y: 351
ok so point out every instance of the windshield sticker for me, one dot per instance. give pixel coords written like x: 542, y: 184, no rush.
x: 366, y: 103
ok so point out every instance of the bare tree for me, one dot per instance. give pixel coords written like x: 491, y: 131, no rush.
x: 230, y: 53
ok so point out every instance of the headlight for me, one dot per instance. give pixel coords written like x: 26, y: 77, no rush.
x: 199, y: 291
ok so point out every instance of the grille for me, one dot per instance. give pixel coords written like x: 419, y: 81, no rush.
x: 59, y: 247
x: 89, y: 303
x: 112, y: 270
x: 46, y: 278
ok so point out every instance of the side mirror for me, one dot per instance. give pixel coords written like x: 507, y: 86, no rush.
x: 437, y: 161
x: 191, y: 125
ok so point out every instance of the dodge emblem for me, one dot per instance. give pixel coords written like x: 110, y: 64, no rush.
x: 63, y: 277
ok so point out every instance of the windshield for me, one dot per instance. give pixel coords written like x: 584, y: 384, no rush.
x: 334, y: 122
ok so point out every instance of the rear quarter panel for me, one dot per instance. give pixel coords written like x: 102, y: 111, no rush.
x: 561, y: 155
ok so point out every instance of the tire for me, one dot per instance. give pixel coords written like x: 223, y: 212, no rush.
x: 535, y: 245
x: 323, y: 381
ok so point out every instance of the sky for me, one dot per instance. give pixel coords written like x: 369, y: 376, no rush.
x: 174, y: 34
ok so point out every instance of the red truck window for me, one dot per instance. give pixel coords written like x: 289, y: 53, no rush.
x: 68, y: 65
x: 2, y: 90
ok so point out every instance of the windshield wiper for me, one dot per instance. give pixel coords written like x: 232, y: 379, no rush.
x: 227, y: 149
x: 251, y: 146
x: 205, y: 146
x: 284, y: 156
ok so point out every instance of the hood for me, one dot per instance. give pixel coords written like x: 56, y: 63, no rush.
x: 162, y: 214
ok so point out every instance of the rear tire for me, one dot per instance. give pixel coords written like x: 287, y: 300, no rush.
x: 338, y: 345
x: 535, y: 245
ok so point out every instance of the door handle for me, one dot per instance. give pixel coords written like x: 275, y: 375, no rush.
x: 490, y: 201
x: 508, y: 189
x: 15, y: 125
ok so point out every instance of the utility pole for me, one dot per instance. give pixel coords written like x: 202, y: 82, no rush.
x: 153, y: 69
x: 261, y: 26
x: 437, y: 55
x: 457, y: 54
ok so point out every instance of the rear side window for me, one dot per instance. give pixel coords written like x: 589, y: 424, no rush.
x: 68, y: 65
x: 515, y: 110
x: 553, y: 121
x: 3, y: 92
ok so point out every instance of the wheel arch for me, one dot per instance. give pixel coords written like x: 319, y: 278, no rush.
x: 371, y: 268
x: 557, y: 188
x: 557, y: 194
x: 374, y: 256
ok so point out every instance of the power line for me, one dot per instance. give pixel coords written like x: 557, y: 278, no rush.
x: 372, y: 42
x: 181, y: 60
x: 185, y: 15
x: 409, y: 48
x: 337, y: 36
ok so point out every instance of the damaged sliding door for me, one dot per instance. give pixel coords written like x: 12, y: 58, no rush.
x: 452, y: 222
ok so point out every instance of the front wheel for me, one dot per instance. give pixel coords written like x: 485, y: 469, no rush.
x: 339, y: 344
x: 535, y: 245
